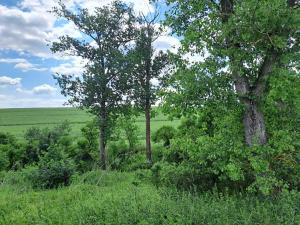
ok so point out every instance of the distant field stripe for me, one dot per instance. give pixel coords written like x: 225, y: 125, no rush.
x: 71, y: 122
x: 48, y: 123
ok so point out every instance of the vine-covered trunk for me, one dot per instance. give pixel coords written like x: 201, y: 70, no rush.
x: 148, y: 134
x: 254, y: 125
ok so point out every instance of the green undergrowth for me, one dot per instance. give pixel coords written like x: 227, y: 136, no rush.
x: 119, y: 198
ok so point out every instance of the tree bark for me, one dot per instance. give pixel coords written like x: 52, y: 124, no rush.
x: 102, y: 149
x: 102, y: 136
x: 253, y: 119
x: 148, y: 134
x: 254, y: 125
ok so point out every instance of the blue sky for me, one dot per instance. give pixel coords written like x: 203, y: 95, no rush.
x: 26, y: 63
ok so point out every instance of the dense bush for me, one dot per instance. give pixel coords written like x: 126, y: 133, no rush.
x: 11, y: 152
x: 43, y: 138
x: 54, y: 170
x: 165, y: 134
x: 196, y: 159
x: 4, y: 161
x: 86, y: 153
x: 123, y: 158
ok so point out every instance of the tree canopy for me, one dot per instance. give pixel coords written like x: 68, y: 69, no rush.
x: 245, y: 43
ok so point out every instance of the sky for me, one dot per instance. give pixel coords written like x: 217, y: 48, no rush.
x: 26, y: 62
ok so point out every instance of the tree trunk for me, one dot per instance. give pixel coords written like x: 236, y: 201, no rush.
x: 148, y: 134
x: 102, y: 137
x: 254, y: 125
x: 102, y: 145
x: 253, y: 119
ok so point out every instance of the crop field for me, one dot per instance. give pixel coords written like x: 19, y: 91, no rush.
x: 17, y: 121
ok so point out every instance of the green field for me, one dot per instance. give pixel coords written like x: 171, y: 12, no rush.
x: 17, y: 121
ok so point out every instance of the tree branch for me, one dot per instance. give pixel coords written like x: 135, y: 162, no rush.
x: 264, y: 73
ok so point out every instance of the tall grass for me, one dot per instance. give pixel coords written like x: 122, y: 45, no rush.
x: 116, y: 198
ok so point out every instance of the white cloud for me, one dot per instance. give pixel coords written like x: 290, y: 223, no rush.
x: 43, y: 89
x: 9, y: 81
x: 29, y: 27
x: 12, y: 60
x: 140, y: 6
x: 165, y: 43
x: 26, y: 66
x: 75, y: 66
x: 23, y: 64
x: 65, y: 29
x: 10, y: 101
x: 3, y: 97
x: 24, y: 31
x: 67, y: 69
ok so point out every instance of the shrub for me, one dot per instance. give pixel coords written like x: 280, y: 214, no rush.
x: 54, y: 170
x: 165, y: 134
x: 85, y: 156
x: 4, y: 161
x: 184, y: 176
x: 223, y: 161
x: 31, y: 153
x: 46, y: 137
x: 11, y: 152
x: 118, y: 154
x: 126, y: 127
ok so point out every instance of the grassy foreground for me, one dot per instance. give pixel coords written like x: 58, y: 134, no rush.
x: 116, y: 198
x: 17, y: 121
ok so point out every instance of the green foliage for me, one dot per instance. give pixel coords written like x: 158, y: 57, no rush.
x: 102, y: 178
x: 118, y: 153
x: 54, y: 170
x: 46, y: 137
x: 47, y: 149
x: 146, y: 63
x: 4, y: 161
x: 40, y: 140
x: 86, y: 153
x: 165, y: 134
x: 126, y: 127
x: 114, y: 198
x: 204, y: 160
x: 126, y: 159
x: 10, y: 151
x: 248, y: 75
x: 20, y: 181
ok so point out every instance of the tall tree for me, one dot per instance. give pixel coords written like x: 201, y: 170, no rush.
x: 148, y: 65
x: 104, y: 44
x: 246, y: 42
